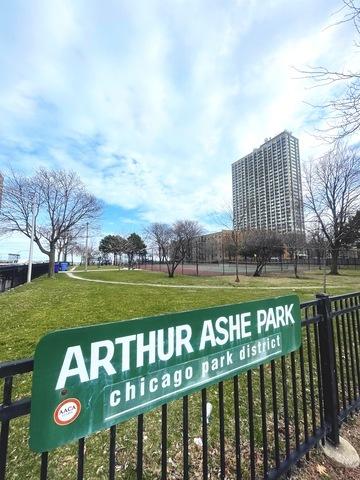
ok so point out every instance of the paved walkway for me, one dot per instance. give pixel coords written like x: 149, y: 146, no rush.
x: 191, y: 287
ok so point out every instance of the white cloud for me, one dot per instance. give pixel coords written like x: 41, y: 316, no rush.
x: 151, y: 103
x: 289, y: 96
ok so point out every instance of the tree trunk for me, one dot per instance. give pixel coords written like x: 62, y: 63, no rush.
x: 258, y: 270
x: 170, y: 269
x: 334, y: 261
x: 237, y: 269
x: 51, y: 273
x: 296, y: 265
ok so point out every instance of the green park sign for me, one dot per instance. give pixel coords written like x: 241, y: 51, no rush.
x: 89, y: 378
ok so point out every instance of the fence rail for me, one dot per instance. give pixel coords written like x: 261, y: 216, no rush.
x: 262, y: 422
x: 12, y: 276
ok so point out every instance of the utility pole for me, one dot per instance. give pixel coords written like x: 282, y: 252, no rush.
x: 324, y: 277
x: 29, y: 271
x: 197, y: 259
x: 86, y: 246
x: 222, y: 255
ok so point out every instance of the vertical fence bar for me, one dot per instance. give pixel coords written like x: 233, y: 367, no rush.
x: 44, y: 466
x: 164, y: 442
x: 357, y: 323
x: 81, y: 452
x: 204, y: 435
x: 295, y: 400
x: 263, y: 421
x: 304, y: 396
x: 356, y: 333
x: 318, y: 368
x: 346, y: 351
x: 351, y: 348
x: 112, y: 449
x: 311, y: 378
x: 186, y: 438
x: 222, y: 430
x: 286, y: 406
x: 340, y: 359
x: 328, y: 374
x: 5, y: 427
x: 237, y: 428
x: 140, y: 447
x: 275, y: 414
x: 251, y: 425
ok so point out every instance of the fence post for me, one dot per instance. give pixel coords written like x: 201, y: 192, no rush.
x: 328, y: 368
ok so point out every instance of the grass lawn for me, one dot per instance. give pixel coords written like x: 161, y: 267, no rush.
x: 313, y: 278
x: 30, y: 311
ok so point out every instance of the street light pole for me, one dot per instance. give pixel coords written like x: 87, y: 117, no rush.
x: 29, y: 271
x: 86, y: 246
x: 222, y: 255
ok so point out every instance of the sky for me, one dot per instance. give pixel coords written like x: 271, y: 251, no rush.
x: 151, y: 101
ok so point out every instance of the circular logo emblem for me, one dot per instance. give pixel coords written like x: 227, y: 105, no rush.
x: 67, y: 411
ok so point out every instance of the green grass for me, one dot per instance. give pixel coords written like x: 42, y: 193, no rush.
x: 30, y: 311
x: 307, y: 279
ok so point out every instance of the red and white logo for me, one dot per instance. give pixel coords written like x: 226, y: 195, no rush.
x: 67, y: 411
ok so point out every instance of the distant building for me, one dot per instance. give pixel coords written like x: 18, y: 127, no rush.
x: 266, y: 185
x: 13, y: 257
x: 212, y: 247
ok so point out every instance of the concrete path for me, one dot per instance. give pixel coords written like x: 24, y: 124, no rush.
x: 190, y: 287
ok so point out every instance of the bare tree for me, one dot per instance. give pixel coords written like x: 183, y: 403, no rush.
x: 342, y: 111
x: 58, y: 200
x: 66, y: 240
x: 294, y: 242
x: 332, y: 197
x: 73, y: 249
x: 159, y: 236
x: 88, y: 254
x: 227, y: 220
x: 317, y: 244
x: 173, y: 242
x: 262, y: 245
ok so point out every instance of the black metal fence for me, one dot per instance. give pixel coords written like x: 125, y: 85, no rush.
x: 261, y: 425
x: 14, y: 275
x: 247, y: 267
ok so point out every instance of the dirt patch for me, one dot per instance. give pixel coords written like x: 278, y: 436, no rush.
x: 320, y: 466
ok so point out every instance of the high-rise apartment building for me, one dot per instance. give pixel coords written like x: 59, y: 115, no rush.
x: 266, y: 185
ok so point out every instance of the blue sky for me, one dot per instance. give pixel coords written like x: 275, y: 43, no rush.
x: 151, y: 101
